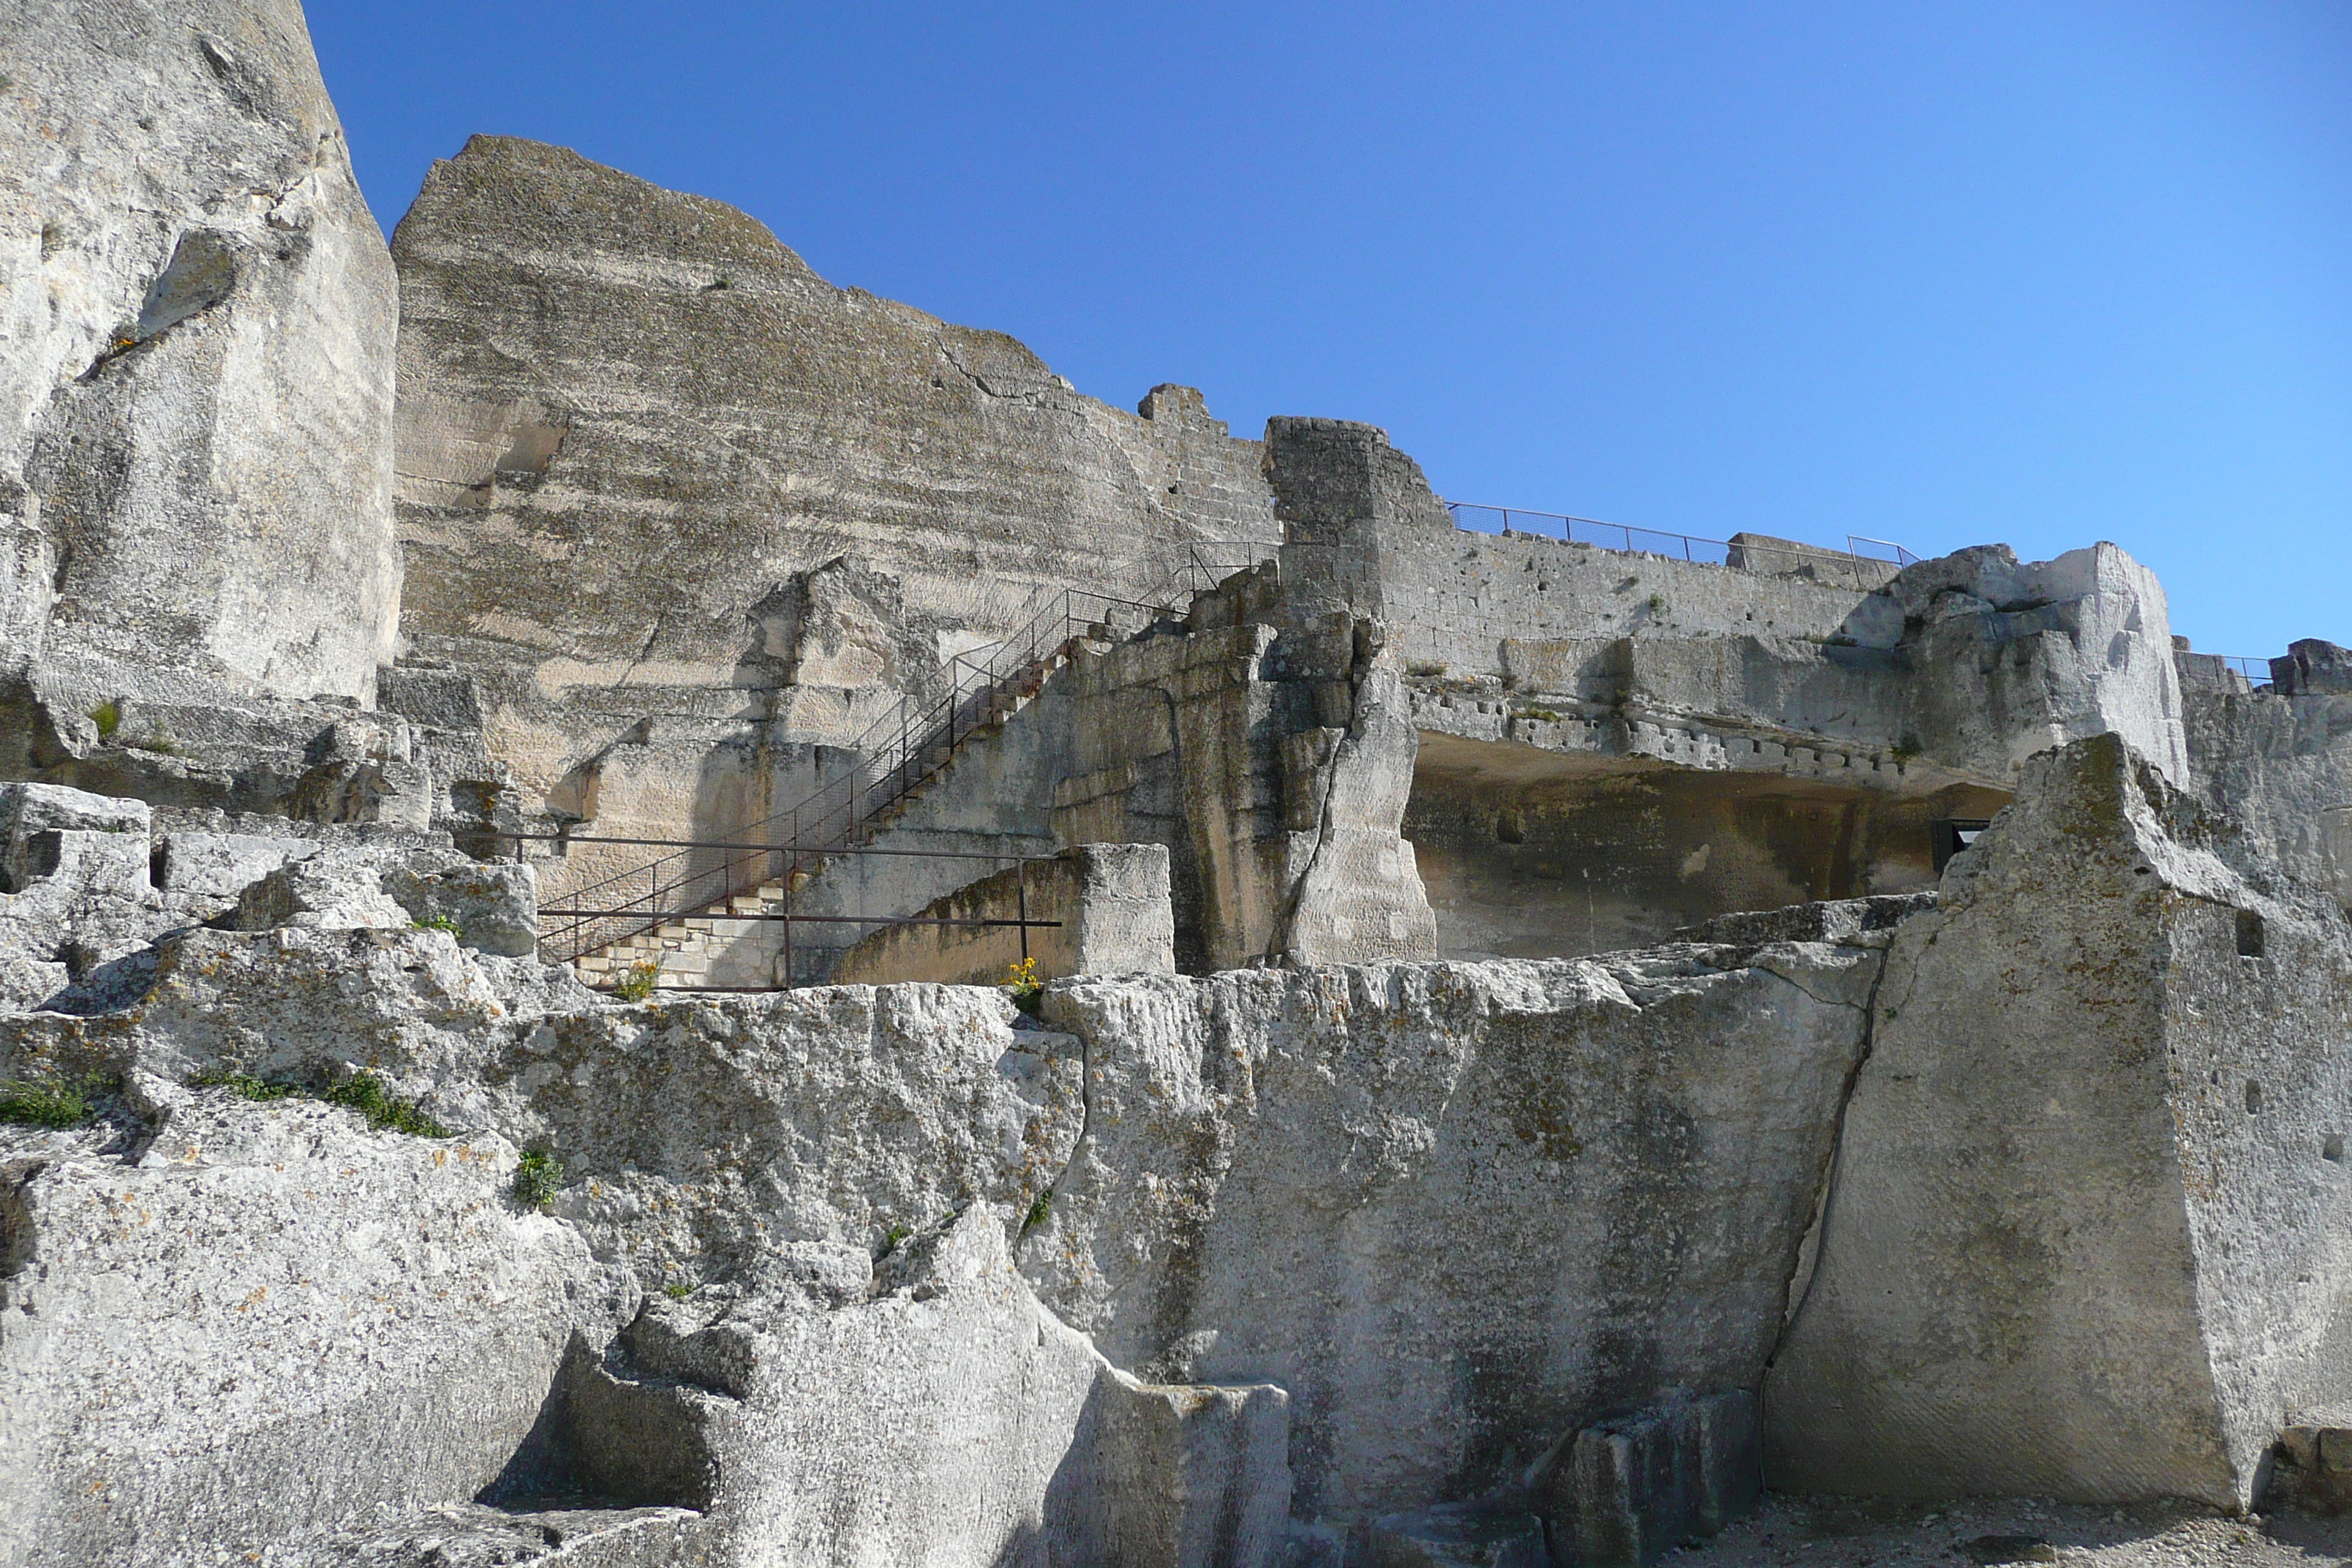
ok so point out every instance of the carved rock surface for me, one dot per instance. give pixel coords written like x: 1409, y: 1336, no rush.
x: 1456, y: 1210
x: 2089, y: 1234
x: 639, y: 435
x: 196, y: 324
x: 266, y: 1319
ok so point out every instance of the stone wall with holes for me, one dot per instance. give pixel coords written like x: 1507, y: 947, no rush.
x: 693, y: 478
x: 2278, y: 757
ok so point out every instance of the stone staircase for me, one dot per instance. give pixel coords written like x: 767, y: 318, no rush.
x: 732, y: 940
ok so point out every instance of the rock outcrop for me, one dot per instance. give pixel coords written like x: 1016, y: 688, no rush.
x: 651, y: 463
x: 2087, y: 1235
x: 1457, y: 1211
x: 240, y: 1323
x: 1077, y: 1257
x: 338, y: 1230
x: 196, y: 322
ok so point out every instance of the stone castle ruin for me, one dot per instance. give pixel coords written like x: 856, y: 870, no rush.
x: 528, y: 756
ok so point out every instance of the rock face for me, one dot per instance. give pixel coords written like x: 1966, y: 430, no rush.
x: 196, y: 322
x: 267, y: 1291
x: 2278, y: 759
x: 2086, y: 1236
x: 89, y: 883
x: 1613, y: 745
x: 820, y: 1187
x: 1456, y: 1211
x: 650, y: 462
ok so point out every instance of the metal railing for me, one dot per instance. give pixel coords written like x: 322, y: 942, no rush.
x: 1682, y: 546
x: 910, y: 744
x: 742, y: 870
x: 2255, y: 672
x: 1174, y: 574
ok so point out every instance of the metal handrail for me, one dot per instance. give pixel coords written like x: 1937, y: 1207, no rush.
x: 1903, y: 557
x: 1688, y: 546
x: 2254, y: 669
x: 903, y: 749
x: 786, y: 916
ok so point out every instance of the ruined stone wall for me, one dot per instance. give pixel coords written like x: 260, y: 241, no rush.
x: 635, y: 430
x: 196, y: 322
x: 1957, y: 670
x: 2278, y: 758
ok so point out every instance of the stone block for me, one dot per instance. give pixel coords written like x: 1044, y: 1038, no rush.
x: 321, y: 893
x: 1727, y: 1467
x: 210, y: 866
x: 1469, y: 1535
x: 1625, y: 1492
x: 1628, y: 1489
x: 1112, y: 900
x: 2311, y: 1469
x: 2312, y: 667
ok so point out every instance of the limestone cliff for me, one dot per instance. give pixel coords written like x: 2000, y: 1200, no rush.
x: 196, y: 320
x: 633, y: 425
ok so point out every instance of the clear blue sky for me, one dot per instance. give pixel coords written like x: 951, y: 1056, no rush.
x: 2042, y: 272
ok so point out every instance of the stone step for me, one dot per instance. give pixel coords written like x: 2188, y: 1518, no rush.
x: 473, y: 1535
x: 1465, y: 1535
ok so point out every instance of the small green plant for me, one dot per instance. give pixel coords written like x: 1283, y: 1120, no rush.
x: 1544, y: 713
x: 243, y: 1084
x: 891, y: 1239
x: 108, y: 717
x: 639, y: 982
x: 160, y: 740
x: 8, y: 82
x: 1038, y: 1211
x: 1656, y: 602
x: 1021, y: 979
x: 539, y: 1177
x: 366, y: 1094
x: 678, y: 1290
x: 51, y: 1102
x: 438, y: 923
x: 1903, y: 749
x: 1427, y: 668
x: 725, y: 280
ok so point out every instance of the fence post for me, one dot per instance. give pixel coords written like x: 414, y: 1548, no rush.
x: 792, y: 865
x: 1021, y: 903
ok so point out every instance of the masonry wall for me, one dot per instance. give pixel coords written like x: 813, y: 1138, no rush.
x: 2279, y: 760
x: 1105, y: 910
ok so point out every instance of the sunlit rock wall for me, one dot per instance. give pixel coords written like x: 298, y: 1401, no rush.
x: 196, y: 324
